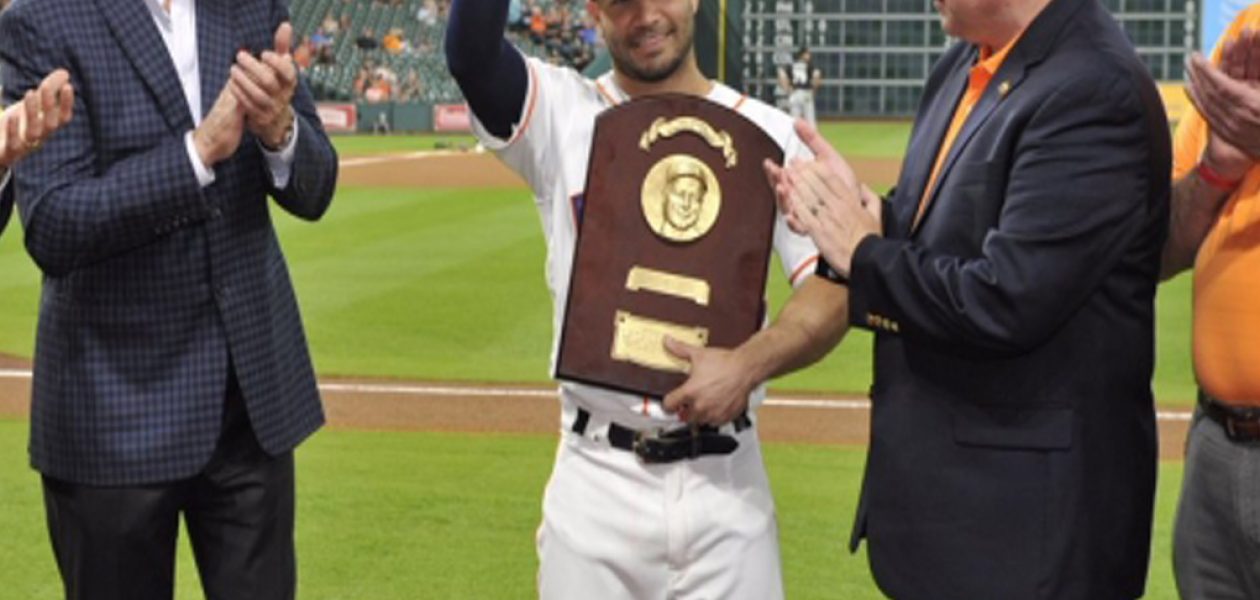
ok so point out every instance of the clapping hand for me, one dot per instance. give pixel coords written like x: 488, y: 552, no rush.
x: 1228, y: 97
x: 26, y: 125
x: 264, y: 87
x: 823, y: 199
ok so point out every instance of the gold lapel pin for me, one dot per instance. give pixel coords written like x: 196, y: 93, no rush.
x: 1004, y: 89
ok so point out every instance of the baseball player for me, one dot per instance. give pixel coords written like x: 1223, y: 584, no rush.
x: 800, y: 80
x: 25, y: 125
x: 614, y: 526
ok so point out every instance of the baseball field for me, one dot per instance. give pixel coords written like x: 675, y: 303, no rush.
x: 423, y: 296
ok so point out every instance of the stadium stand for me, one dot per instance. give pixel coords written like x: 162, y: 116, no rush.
x: 407, y: 37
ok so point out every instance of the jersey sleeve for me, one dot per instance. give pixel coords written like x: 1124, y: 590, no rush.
x: 797, y: 253
x: 531, y: 150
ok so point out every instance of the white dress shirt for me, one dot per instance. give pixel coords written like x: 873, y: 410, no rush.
x: 179, y: 33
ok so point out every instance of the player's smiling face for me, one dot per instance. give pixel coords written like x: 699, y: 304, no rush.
x: 648, y: 39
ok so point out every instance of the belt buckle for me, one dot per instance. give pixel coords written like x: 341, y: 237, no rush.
x: 1233, y: 432
x: 652, y: 445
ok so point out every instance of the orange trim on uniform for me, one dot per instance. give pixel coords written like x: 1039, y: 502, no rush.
x: 529, y: 110
x: 604, y: 92
x: 740, y: 103
x: 811, y: 264
x: 646, y: 403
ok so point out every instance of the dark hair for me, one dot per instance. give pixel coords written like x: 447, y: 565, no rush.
x: 802, y: 52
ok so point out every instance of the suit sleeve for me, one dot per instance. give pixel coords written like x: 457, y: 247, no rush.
x: 313, y: 178
x: 6, y: 199
x: 75, y: 213
x: 1076, y: 198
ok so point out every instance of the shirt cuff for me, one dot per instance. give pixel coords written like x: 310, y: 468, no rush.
x: 205, y: 175
x: 281, y: 162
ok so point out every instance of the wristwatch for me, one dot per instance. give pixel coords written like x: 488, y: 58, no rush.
x: 825, y: 271
x: 288, y: 135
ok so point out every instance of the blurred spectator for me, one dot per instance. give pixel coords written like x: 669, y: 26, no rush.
x: 321, y: 38
x: 379, y: 91
x: 514, y: 14
x: 538, y: 25
x: 325, y: 56
x: 428, y: 13
x: 588, y: 33
x: 367, y: 40
x: 304, y: 53
x: 412, y: 89
x: 393, y: 42
x: 330, y: 25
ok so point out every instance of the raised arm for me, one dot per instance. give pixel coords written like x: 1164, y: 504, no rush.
x: 491, y: 73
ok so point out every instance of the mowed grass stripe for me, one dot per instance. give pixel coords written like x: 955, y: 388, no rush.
x: 441, y: 285
x: 449, y: 284
x: 401, y: 516
x: 862, y: 139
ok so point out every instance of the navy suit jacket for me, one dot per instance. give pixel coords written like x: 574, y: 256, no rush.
x: 153, y: 286
x: 1013, y: 445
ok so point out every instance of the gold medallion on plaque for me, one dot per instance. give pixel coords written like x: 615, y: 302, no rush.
x: 681, y: 198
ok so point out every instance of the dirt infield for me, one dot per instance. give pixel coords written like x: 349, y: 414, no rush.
x: 460, y: 407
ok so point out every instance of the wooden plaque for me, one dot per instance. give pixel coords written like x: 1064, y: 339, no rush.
x: 676, y: 227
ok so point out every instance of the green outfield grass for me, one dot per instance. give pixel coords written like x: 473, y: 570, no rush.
x: 448, y: 284
x: 385, y: 516
x: 875, y: 139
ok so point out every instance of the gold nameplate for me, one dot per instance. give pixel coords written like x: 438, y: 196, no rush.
x: 681, y: 198
x: 668, y: 284
x: 641, y: 341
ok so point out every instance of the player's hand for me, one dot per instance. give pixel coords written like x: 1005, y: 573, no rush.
x: 25, y: 125
x: 717, y: 390
x: 1228, y: 97
x: 823, y: 199
x: 220, y: 132
x: 265, y: 86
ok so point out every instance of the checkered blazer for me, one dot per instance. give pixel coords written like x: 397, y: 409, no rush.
x: 6, y: 205
x: 152, y: 284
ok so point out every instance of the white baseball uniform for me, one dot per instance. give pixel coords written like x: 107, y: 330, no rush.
x: 801, y: 98
x: 614, y: 527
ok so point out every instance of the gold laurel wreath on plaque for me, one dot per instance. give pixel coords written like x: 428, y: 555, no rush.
x: 667, y: 128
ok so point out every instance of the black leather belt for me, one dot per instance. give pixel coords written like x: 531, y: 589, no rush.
x: 1241, y: 424
x: 661, y: 446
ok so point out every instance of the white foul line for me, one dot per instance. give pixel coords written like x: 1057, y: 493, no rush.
x: 364, y: 161
x: 520, y: 392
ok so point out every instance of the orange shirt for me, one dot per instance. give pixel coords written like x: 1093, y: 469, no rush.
x: 1227, y: 269
x: 979, y: 79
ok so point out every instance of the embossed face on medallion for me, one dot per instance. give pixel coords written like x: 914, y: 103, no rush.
x: 681, y: 198
x: 684, y: 195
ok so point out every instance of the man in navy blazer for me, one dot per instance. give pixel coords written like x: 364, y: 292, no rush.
x: 25, y: 125
x: 1013, y: 445
x: 172, y: 374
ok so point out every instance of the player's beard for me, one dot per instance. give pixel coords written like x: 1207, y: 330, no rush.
x: 621, y: 52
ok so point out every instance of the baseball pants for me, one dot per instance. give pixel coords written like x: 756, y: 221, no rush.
x: 616, y: 528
